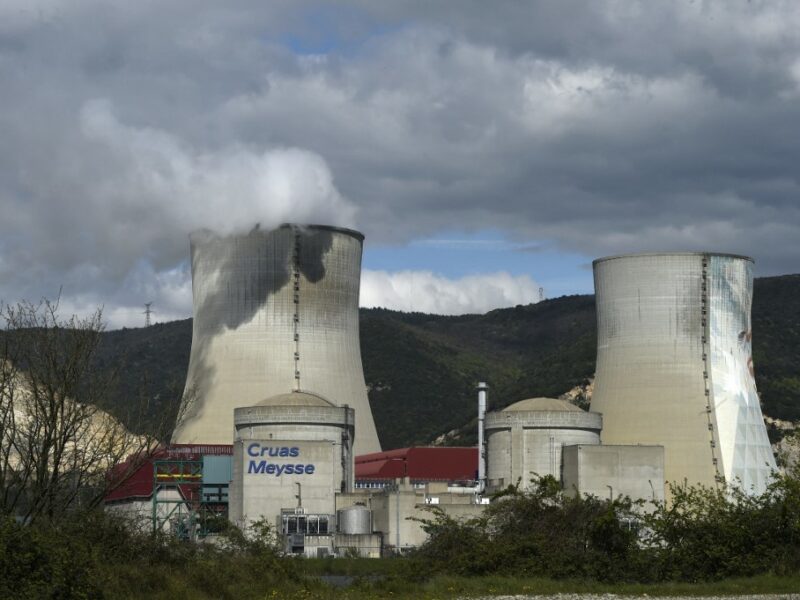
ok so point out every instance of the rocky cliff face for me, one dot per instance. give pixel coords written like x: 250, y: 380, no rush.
x: 580, y: 395
x: 787, y: 448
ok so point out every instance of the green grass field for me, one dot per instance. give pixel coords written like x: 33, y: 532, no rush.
x: 385, y: 579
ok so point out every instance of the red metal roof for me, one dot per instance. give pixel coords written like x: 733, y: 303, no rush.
x: 137, y: 472
x: 420, y: 464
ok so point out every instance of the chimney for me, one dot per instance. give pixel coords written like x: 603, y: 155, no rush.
x: 482, y: 391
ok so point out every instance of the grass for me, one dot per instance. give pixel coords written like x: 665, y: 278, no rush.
x: 383, y: 579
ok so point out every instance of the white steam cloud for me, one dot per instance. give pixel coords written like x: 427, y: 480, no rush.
x: 129, y: 195
x: 226, y: 190
x: 424, y: 291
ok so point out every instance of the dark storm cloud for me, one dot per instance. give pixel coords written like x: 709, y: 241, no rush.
x: 599, y: 127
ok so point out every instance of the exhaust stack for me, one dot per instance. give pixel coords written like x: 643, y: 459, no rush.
x: 482, y: 394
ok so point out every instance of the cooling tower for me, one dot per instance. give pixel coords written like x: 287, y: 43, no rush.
x: 674, y: 365
x: 274, y: 312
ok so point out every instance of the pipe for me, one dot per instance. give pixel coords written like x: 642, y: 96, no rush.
x: 482, y: 397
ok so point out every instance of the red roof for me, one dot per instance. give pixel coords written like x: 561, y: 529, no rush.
x: 139, y: 483
x: 421, y: 464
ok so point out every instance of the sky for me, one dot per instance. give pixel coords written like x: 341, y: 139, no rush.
x: 485, y: 149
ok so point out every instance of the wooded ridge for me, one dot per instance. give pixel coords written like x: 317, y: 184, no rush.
x: 421, y: 369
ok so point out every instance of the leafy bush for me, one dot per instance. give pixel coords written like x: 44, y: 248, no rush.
x: 712, y: 534
x: 95, y: 555
x: 702, y: 534
x: 540, y: 532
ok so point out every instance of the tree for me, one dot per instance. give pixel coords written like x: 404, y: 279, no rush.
x: 57, y: 440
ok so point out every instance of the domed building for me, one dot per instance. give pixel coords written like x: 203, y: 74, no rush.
x: 525, y: 439
x: 292, y: 453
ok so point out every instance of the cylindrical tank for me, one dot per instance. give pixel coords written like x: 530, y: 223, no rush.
x: 354, y: 520
x: 290, y: 451
x: 274, y: 311
x: 526, y: 439
x: 674, y: 364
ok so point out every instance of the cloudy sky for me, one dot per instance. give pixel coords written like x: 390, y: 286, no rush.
x: 484, y: 148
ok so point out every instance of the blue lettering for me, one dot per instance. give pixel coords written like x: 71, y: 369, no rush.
x: 274, y: 451
x: 257, y: 468
x: 294, y: 452
x: 267, y: 468
x: 284, y: 452
x: 252, y: 450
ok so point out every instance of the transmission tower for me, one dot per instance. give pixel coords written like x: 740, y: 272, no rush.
x: 541, y: 294
x: 147, y: 312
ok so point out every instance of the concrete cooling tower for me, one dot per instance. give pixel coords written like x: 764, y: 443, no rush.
x: 274, y: 312
x: 674, y: 365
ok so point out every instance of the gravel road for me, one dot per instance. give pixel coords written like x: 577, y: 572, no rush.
x: 616, y: 597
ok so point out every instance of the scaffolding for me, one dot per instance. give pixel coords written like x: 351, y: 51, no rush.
x: 182, y: 504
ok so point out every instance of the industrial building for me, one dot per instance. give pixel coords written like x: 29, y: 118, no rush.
x: 420, y: 466
x: 182, y: 489
x: 278, y: 424
x: 176, y: 489
x: 292, y: 451
x: 606, y: 471
x: 541, y: 437
x: 674, y: 365
x: 527, y: 438
x: 275, y: 379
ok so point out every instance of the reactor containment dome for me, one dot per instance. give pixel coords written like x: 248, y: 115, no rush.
x: 674, y: 365
x: 274, y: 312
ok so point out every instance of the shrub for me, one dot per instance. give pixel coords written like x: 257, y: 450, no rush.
x: 702, y: 534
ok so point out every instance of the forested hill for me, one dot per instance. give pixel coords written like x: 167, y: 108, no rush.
x: 422, y: 369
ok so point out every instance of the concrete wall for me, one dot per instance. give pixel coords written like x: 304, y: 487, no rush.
x: 392, y: 509
x: 674, y: 366
x: 274, y: 311
x: 612, y: 471
x: 365, y: 546
x: 317, y: 546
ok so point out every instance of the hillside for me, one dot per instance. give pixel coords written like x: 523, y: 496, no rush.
x: 421, y: 369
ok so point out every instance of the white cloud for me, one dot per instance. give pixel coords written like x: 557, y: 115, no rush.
x: 111, y: 215
x: 178, y: 188
x: 408, y: 291
x: 424, y: 291
x: 169, y: 290
x: 594, y: 127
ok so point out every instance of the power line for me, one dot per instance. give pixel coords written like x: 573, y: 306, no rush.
x: 147, y: 312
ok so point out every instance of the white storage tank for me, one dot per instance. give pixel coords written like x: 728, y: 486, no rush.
x: 526, y: 439
x: 354, y: 520
x: 291, y: 452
